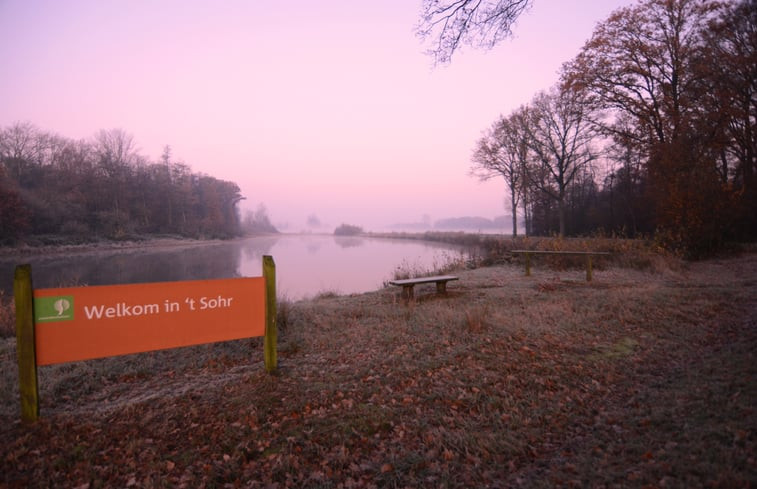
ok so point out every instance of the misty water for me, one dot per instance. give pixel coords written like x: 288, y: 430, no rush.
x: 306, y: 265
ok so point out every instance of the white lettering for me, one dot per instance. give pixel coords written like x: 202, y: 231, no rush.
x: 95, y: 311
x: 214, y: 303
x: 120, y: 310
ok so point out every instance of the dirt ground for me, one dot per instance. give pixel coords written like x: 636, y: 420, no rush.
x: 637, y: 379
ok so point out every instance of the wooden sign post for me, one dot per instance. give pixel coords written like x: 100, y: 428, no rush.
x: 271, y: 333
x: 81, y: 323
x: 27, y: 361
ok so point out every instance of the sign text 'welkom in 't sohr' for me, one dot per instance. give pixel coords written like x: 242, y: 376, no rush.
x: 81, y: 323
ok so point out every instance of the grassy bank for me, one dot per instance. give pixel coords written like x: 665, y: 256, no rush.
x: 643, y: 378
x: 489, y: 249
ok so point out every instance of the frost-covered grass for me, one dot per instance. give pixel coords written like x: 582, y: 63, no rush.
x: 643, y: 377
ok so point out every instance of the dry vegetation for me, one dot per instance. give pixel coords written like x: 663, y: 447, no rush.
x: 487, y: 249
x: 7, y: 316
x: 642, y: 378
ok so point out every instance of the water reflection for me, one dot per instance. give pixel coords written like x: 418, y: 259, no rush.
x: 306, y: 265
x: 349, y: 241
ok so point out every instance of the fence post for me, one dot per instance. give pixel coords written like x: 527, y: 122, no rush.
x: 269, y: 341
x: 25, y: 348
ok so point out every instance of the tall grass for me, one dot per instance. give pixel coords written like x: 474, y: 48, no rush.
x: 441, y: 264
x: 486, y: 250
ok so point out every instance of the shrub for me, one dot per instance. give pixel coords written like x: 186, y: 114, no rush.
x: 348, y: 230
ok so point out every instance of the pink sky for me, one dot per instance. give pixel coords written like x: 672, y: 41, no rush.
x: 325, y: 107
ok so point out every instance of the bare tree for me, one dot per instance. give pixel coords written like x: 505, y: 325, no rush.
x: 20, y: 148
x: 560, y: 136
x: 503, y: 152
x: 480, y: 23
x: 115, y: 154
x: 115, y: 147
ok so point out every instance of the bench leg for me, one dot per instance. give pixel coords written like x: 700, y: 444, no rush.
x: 407, y: 293
x: 588, y: 268
x: 441, y: 288
x: 528, y: 264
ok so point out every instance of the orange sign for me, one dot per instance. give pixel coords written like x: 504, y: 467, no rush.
x: 82, y: 323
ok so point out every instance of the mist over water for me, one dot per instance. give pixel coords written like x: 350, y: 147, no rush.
x: 306, y: 265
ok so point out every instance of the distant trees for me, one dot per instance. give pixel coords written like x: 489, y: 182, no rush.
x: 104, y: 187
x: 313, y: 221
x: 472, y: 223
x: 348, y: 230
x: 666, y: 88
x: 21, y: 144
x: 258, y: 222
x: 14, y: 217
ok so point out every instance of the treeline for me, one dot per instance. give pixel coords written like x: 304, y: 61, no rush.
x: 348, y: 230
x: 50, y: 185
x: 473, y: 222
x: 651, y: 131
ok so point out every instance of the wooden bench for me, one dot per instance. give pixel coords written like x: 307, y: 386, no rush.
x: 408, y: 284
x: 588, y: 255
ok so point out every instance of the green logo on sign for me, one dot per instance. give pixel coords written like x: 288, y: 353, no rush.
x: 58, y: 308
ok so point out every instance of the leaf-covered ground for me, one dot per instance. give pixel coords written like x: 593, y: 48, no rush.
x: 637, y: 379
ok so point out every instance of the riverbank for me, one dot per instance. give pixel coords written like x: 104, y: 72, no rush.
x: 56, y: 248
x: 641, y: 378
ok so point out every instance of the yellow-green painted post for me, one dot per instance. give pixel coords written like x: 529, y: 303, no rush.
x: 528, y: 264
x: 269, y: 341
x: 588, y: 268
x: 27, y: 361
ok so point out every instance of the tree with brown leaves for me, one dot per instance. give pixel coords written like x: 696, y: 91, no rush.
x: 645, y: 62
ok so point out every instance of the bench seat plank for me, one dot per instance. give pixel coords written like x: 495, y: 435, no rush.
x: 408, y: 284
x: 543, y: 252
x: 424, y: 280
